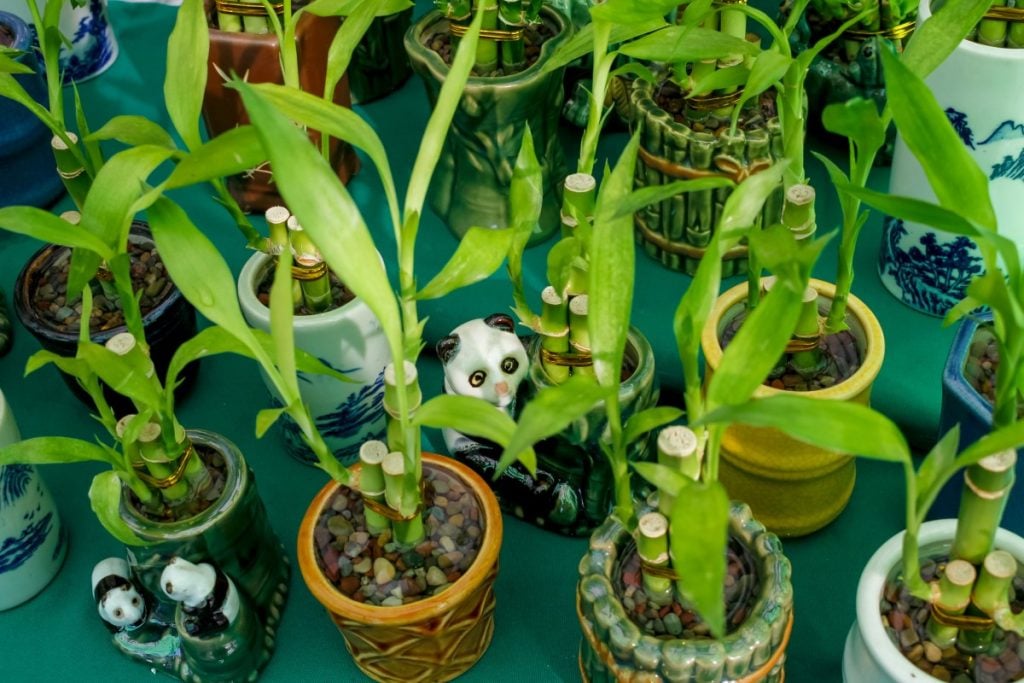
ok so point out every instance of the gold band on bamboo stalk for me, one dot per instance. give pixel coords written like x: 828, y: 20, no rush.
x: 728, y: 167
x: 568, y: 360
x: 458, y: 30
x: 730, y: 2
x: 70, y: 175
x: 983, y: 493
x: 172, y: 478
x: 713, y: 102
x: 247, y: 9
x: 898, y: 32
x: 961, y: 621
x: 308, y: 273
x: 799, y: 343
x: 1014, y: 14
x: 390, y: 513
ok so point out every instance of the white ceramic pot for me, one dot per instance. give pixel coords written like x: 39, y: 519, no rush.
x: 869, y: 656
x: 92, y: 47
x: 32, y: 541
x: 981, y: 89
x: 350, y: 340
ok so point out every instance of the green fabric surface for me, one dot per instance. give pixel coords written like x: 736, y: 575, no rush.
x: 59, y: 635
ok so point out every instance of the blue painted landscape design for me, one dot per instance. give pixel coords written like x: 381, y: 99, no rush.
x: 1010, y: 167
x: 16, y: 550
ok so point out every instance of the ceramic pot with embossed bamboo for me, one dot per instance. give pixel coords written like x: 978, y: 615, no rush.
x: 433, y: 639
x: 676, y: 231
x: 380, y: 64
x: 793, y: 488
x: 257, y: 58
x: 614, y: 649
x: 470, y: 185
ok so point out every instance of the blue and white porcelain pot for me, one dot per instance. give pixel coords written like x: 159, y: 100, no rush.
x: 350, y: 340
x: 32, y: 540
x: 91, y: 46
x: 981, y: 89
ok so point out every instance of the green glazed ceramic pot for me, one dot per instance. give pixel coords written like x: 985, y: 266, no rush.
x: 470, y: 185
x: 234, y: 536
x: 380, y: 64
x: 614, y: 649
x: 676, y: 231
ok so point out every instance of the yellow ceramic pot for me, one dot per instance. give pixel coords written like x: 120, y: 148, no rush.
x: 434, y: 639
x: 793, y: 488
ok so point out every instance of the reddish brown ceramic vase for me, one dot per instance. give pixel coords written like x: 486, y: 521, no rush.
x: 257, y: 58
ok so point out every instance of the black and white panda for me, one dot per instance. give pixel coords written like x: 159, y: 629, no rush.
x: 209, y: 599
x: 118, y: 600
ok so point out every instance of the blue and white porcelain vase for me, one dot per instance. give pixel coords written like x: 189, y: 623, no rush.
x: 91, y: 46
x: 32, y: 540
x: 349, y: 339
x: 981, y: 89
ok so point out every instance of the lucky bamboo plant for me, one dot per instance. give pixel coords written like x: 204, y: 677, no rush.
x: 1002, y: 26
x: 502, y: 47
x: 977, y: 578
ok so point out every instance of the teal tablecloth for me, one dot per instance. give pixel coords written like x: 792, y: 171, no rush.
x: 58, y: 635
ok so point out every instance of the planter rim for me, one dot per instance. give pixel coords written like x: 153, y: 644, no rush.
x: 433, y: 61
x: 415, y: 612
x: 871, y: 364
x: 23, y: 305
x: 247, y: 295
x: 634, y: 338
x: 18, y: 26
x: 953, y: 371
x: 924, y: 12
x: 872, y: 581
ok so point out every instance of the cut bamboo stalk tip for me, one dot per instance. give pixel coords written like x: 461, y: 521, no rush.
x: 999, y: 462
x: 677, y: 441
x: 121, y: 344
x: 410, y: 374
x: 810, y: 294
x: 800, y: 195
x: 72, y: 217
x: 393, y: 464
x: 149, y: 433
x: 373, y: 452
x: 58, y: 143
x: 122, y: 424
x: 293, y: 224
x: 960, y: 573
x: 580, y: 182
x: 579, y: 305
x: 768, y: 282
x: 550, y: 296
x: 999, y: 564
x: 278, y: 215
x: 653, y: 525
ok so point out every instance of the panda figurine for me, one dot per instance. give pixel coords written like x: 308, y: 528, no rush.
x: 118, y: 600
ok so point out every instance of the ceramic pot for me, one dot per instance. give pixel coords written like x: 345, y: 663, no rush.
x: 91, y: 46
x: 167, y: 326
x: 869, y: 655
x: 614, y: 649
x: 26, y: 161
x: 676, y: 231
x: 258, y: 58
x: 792, y: 487
x: 434, y: 639
x: 350, y: 340
x: 380, y: 64
x: 572, y: 489
x: 233, y: 535
x: 470, y: 185
x: 930, y: 269
x: 33, y: 542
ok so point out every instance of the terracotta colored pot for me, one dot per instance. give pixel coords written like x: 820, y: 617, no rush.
x: 258, y: 58
x: 793, y: 488
x: 614, y: 649
x: 435, y: 639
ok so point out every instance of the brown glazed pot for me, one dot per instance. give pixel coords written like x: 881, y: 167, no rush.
x: 257, y: 57
x: 435, y: 639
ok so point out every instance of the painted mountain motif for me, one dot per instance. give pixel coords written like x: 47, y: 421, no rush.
x: 961, y: 126
x: 1007, y: 130
x: 1009, y: 168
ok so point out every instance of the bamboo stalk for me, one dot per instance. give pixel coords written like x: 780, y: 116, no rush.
x: 993, y: 31
x: 994, y: 582
x: 808, y: 363
x: 277, y: 224
x: 372, y: 483
x: 513, y: 52
x: 677, y: 449
x: 579, y: 198
x: 487, y: 49
x: 579, y: 331
x: 76, y: 181
x: 152, y: 452
x: 554, y: 331
x: 986, y: 488
x: 652, y: 546
x: 798, y: 210
x: 953, y: 597
x: 410, y: 531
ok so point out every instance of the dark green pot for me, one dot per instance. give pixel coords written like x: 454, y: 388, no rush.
x: 613, y: 648
x: 233, y: 535
x: 471, y: 183
x: 380, y: 64
x: 676, y: 231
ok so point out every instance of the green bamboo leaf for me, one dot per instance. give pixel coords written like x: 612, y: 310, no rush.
x: 698, y: 532
x: 696, y: 11
x: 525, y: 200
x: 282, y: 315
x: 834, y: 425
x: 858, y: 120
x: 54, y: 450
x: 631, y: 11
x: 663, y: 478
x: 1003, y: 439
x: 358, y: 19
x: 635, y: 69
x: 644, y: 197
x: 612, y: 266
x: 9, y: 65
x: 938, y: 466
x: 581, y: 43
x: 122, y: 376
x: 731, y: 77
x: 935, y: 39
x: 928, y: 133
x: 674, y: 44
x: 338, y: 122
x: 441, y: 119
x: 105, y: 500
x: 344, y: 8
x: 266, y: 418
x: 133, y: 130
x: 93, y: 153
x: 326, y: 211
x: 230, y: 153
x: 475, y: 417
x: 480, y: 253
x: 44, y: 226
x: 12, y: 90
x: 188, y: 48
x: 745, y: 204
x: 562, y: 259
x: 551, y: 411
x: 768, y: 69
x: 199, y: 270
x: 648, y: 420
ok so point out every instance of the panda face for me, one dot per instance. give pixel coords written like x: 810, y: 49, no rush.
x: 122, y: 607
x: 187, y: 583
